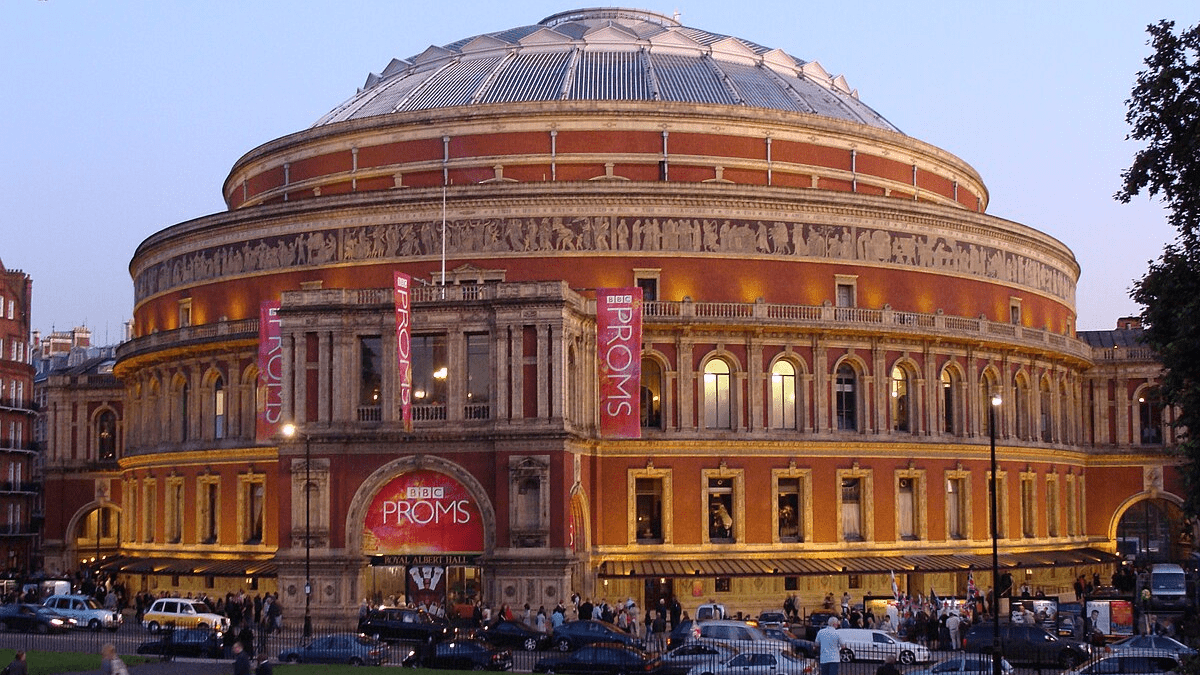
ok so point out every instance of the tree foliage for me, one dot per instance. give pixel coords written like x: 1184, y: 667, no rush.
x: 1164, y: 113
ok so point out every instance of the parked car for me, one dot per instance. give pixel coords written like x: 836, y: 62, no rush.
x: 349, y: 648
x: 698, y: 652
x: 815, y: 622
x: 600, y: 659
x: 33, y: 619
x: 966, y: 664
x: 182, y: 613
x: 797, y: 645
x: 85, y: 610
x: 712, y: 610
x: 737, y: 633
x: 683, y: 632
x: 767, y: 662
x: 393, y: 624
x: 515, y: 635
x: 1023, y: 643
x: 1153, y: 644
x: 575, y: 634
x: 863, y: 644
x: 771, y: 618
x: 204, y: 643
x: 1127, y: 664
x: 465, y: 655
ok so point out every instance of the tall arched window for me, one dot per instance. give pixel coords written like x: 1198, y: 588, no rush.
x: 1045, y: 413
x: 1150, y: 417
x: 106, y: 436
x: 1020, y: 405
x: 183, y: 411
x: 987, y: 387
x: 783, y: 395
x: 846, y: 398
x: 899, y: 400
x: 219, y: 408
x: 651, y: 396
x: 951, y: 415
x: 717, y: 400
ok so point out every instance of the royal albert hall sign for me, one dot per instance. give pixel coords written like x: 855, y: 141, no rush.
x: 423, y: 512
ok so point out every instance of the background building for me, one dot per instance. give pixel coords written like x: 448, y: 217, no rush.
x: 828, y: 309
x: 18, y: 491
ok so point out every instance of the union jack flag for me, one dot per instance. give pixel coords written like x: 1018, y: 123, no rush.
x: 972, y: 591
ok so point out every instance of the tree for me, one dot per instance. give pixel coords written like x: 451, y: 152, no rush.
x: 1164, y: 113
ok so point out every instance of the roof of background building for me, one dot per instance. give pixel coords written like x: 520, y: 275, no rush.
x: 606, y: 54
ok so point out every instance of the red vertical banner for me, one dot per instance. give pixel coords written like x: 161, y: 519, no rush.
x: 400, y: 288
x: 619, y: 358
x: 270, y: 371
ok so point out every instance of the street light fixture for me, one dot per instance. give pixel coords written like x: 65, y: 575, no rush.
x: 290, y: 431
x: 997, y: 657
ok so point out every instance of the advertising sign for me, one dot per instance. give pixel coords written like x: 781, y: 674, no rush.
x: 1035, y: 611
x: 400, y: 286
x: 619, y: 359
x: 270, y: 371
x: 423, y: 512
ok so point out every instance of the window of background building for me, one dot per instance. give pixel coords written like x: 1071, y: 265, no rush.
x: 987, y: 386
x: 430, y: 374
x: 1020, y: 405
x: 1072, y: 521
x: 950, y: 406
x: 175, y: 511
x: 720, y: 511
x: 648, y: 282
x: 255, y: 497
x: 791, y: 583
x: 1150, y: 417
x: 717, y: 403
x: 846, y: 398
x: 1047, y: 418
x: 210, y: 510
x: 791, y: 504
x: 651, y: 394
x: 906, y: 513
x: 1001, y: 503
x: 219, y: 408
x: 184, y: 406
x: 852, y: 520
x: 1028, y: 511
x: 956, y: 508
x: 723, y: 584
x: 783, y: 395
x: 1014, y: 311
x: 649, y: 510
x: 106, y: 436
x: 149, y: 503
x: 1052, y: 507
x: 479, y: 392
x: 899, y: 399
x: 370, y: 378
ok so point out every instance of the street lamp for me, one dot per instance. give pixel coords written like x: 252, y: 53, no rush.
x: 290, y: 430
x: 997, y: 657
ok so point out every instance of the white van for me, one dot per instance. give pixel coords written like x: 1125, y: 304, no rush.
x: 1168, y: 587
x: 862, y: 644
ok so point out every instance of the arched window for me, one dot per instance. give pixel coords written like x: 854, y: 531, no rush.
x: 1046, y: 416
x: 1020, y: 405
x: 183, y: 411
x: 106, y: 436
x: 899, y: 400
x: 783, y: 395
x: 219, y: 408
x: 1150, y: 417
x: 651, y: 396
x: 987, y: 388
x: 846, y: 398
x: 717, y: 401
x: 951, y: 407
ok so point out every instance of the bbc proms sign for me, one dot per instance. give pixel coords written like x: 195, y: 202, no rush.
x: 619, y: 360
x: 423, y: 512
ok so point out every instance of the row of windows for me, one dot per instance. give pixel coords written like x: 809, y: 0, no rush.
x: 169, y: 503
x: 431, y: 374
x: 793, y: 507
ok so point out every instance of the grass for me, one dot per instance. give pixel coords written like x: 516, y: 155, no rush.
x: 49, y: 663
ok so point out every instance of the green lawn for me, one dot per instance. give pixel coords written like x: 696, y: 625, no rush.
x: 49, y: 663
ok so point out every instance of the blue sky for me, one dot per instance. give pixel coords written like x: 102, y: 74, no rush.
x: 124, y: 117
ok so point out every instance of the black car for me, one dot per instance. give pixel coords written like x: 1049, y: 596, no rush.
x: 683, y: 632
x: 463, y: 655
x: 1128, y: 664
x: 815, y: 622
x: 32, y: 619
x: 1029, y: 644
x: 600, y: 659
x: 514, y: 634
x: 396, y: 624
x: 201, y: 643
x: 798, y: 645
x: 575, y: 634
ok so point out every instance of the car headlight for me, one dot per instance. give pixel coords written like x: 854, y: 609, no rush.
x: 56, y: 622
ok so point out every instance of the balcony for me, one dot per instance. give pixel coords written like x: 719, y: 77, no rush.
x: 19, y: 487
x: 221, y: 330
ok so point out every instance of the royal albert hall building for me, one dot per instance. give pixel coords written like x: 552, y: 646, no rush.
x: 827, y: 312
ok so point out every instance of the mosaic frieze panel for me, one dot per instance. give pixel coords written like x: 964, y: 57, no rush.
x: 602, y: 233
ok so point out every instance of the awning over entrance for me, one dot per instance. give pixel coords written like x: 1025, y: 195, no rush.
x: 800, y: 566
x: 190, y: 567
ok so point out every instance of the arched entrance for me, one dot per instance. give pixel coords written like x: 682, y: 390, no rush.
x: 422, y: 525
x: 94, y: 533
x: 1154, y: 530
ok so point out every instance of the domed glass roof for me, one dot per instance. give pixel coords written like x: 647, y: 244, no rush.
x: 606, y: 55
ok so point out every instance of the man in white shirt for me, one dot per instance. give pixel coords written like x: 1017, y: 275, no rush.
x: 829, y: 642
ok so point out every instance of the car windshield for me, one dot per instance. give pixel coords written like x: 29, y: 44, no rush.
x: 201, y: 608
x: 1168, y: 582
x: 92, y: 604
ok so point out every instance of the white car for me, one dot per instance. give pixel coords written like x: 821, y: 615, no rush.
x: 85, y: 610
x: 862, y: 644
x: 759, y: 662
x: 182, y: 613
x: 966, y: 664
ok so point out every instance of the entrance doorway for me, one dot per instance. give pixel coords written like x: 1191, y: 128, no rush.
x: 1154, y: 530
x: 658, y: 588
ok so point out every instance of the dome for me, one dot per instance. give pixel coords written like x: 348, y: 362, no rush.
x: 606, y: 54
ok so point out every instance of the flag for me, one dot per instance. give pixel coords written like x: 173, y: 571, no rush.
x: 972, y: 591
x: 895, y: 588
x: 935, y: 600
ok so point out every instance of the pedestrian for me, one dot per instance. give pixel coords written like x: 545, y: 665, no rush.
x: 829, y: 642
x: 110, y: 663
x: 241, y: 660
x: 888, y: 667
x: 18, y: 665
x: 264, y: 667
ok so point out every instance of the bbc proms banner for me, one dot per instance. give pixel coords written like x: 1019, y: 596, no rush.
x: 423, y: 512
x: 400, y: 287
x: 619, y: 358
x: 270, y: 371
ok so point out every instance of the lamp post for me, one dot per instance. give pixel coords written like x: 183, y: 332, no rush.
x: 997, y: 657
x: 290, y: 430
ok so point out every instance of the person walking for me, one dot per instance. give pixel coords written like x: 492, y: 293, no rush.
x: 18, y: 665
x: 829, y: 642
x: 241, y: 660
x: 110, y: 663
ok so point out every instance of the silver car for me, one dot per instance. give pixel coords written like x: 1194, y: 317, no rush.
x: 759, y: 663
x: 966, y: 664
